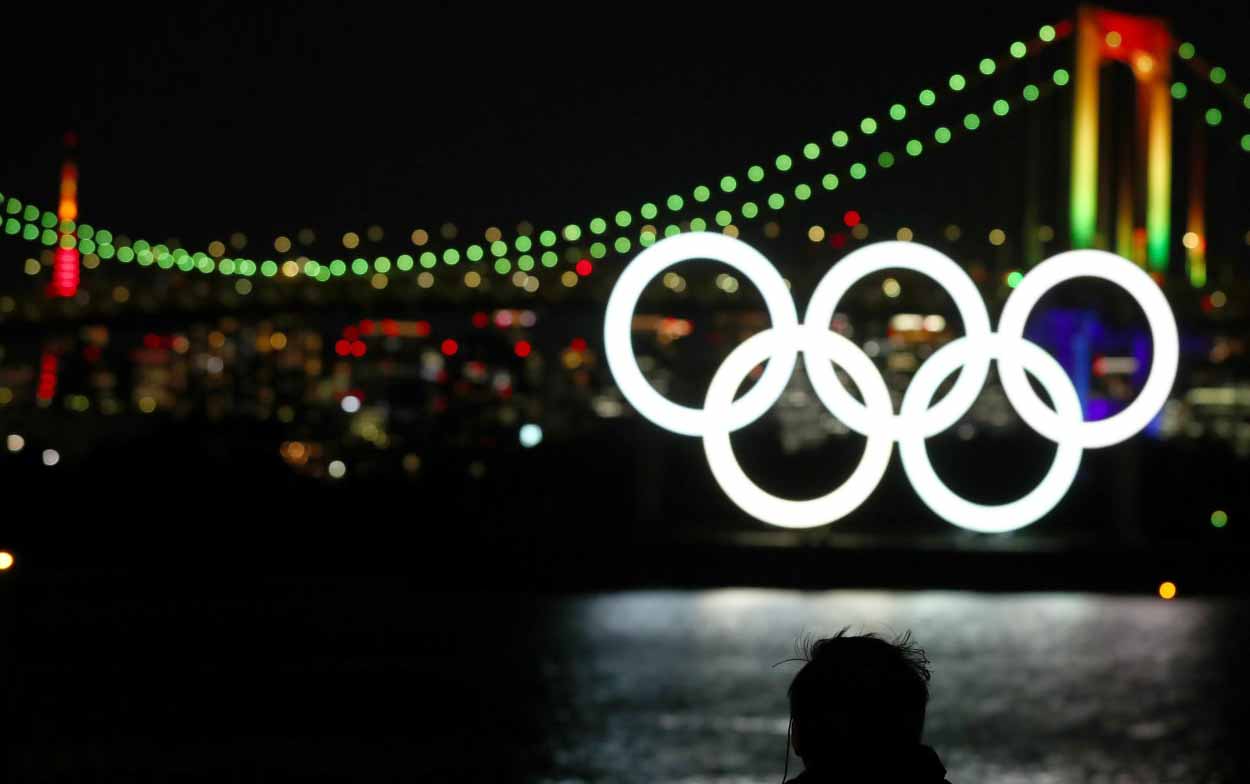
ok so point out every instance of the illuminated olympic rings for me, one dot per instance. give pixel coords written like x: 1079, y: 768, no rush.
x: 874, y: 417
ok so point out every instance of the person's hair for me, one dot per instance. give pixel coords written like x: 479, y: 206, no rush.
x: 857, y: 694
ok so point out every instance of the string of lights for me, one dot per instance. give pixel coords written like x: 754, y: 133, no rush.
x: 526, y: 252
x: 1218, y: 77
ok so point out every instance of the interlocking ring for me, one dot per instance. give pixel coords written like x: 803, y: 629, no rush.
x: 917, y: 420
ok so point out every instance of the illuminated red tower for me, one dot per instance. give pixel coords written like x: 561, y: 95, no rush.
x: 65, y: 270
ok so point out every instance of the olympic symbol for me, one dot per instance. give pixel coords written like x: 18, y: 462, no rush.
x: 875, y: 417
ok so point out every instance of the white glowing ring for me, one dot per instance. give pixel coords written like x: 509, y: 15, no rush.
x: 986, y: 518
x: 618, y: 330
x: 1166, y: 352
x: 817, y: 344
x: 948, y: 275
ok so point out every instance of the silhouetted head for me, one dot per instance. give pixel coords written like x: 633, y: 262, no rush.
x: 858, y: 698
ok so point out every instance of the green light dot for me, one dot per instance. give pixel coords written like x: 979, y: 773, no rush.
x: 942, y: 135
x: 623, y: 219
x: 1218, y: 75
x: 811, y: 151
x: 66, y: 227
x: 646, y: 239
x: 957, y: 82
x: 783, y: 162
x: 87, y: 246
x: 698, y: 224
x: 598, y: 250
x: 868, y: 126
x: 776, y: 201
x: 572, y: 232
x: 106, y: 251
x: 360, y: 266
x: 12, y: 226
x: 1246, y: 101
x: 165, y: 261
x: 323, y: 275
x: 1245, y: 142
x: 898, y: 111
x: 750, y: 210
x: 13, y: 206
x: 972, y: 121
x: 48, y: 220
x: 914, y: 147
x: 104, y: 236
x: 30, y: 232
x: 1185, y: 50
x: 648, y: 211
x: 1014, y: 278
x: 550, y: 259
x: 67, y: 242
x: 622, y: 245
x: 1019, y: 50
x: 338, y: 267
x: 728, y: 184
x: 675, y: 202
x: 48, y: 237
x: 1031, y: 92
x: 987, y: 66
x: 548, y: 237
x: 755, y: 173
x: 451, y: 256
x: 858, y: 171
x: 829, y: 182
x: 473, y: 252
x: 125, y: 254
x: 85, y: 232
x: 723, y: 218
x: 499, y: 248
x: 269, y: 268
x: 927, y: 97
x: 31, y: 213
x: 404, y: 262
x: 1001, y: 107
x: 1219, y: 518
x: 598, y: 225
x: 885, y: 160
x: 1061, y: 77
x: 671, y: 230
x: 141, y: 245
x: 428, y: 260
x: 247, y: 267
x: 702, y: 193
x: 525, y: 262
x: 226, y: 267
x: 207, y: 265
x: 503, y: 266
x: 1214, y: 116
x: 523, y: 244
x: 381, y: 264
x: 802, y: 191
x: 1047, y: 33
x: 840, y: 138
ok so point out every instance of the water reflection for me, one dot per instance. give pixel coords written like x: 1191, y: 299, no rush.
x: 677, y: 686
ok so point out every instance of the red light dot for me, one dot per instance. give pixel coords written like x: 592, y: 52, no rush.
x: 351, y: 333
x: 423, y: 328
x: 450, y: 347
x: 358, y: 348
x: 366, y: 327
x: 851, y: 218
x: 578, y: 344
x: 522, y: 348
x: 390, y: 328
x: 481, y: 320
x: 343, y: 348
x: 584, y: 267
x: 838, y: 240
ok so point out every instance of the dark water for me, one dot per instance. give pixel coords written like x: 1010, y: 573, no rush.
x: 315, y: 681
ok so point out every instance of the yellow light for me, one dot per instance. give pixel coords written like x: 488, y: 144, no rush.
x: 374, y: 233
x: 998, y: 237
x: 1114, y: 39
x: 290, y: 268
x: 379, y: 281
x: 730, y: 231
x: 952, y: 232
x: 531, y: 284
x: 772, y: 230
x: 493, y: 234
x: 147, y: 404
x: 282, y: 244
x: 351, y: 240
x: 6, y: 560
x: 216, y: 339
x: 569, y: 278
x: 816, y: 234
x: 1190, y: 240
x: 216, y: 249
x: 420, y: 237
x: 425, y: 280
x: 278, y: 341
x: 1218, y: 299
x: 238, y: 240
x: 472, y: 279
x: 1167, y: 590
x: 33, y: 267
x: 904, y: 235
x: 891, y: 288
x: 120, y: 294
x: 860, y: 232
